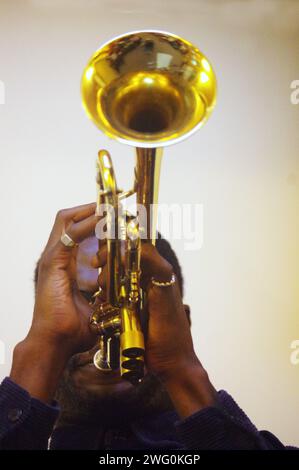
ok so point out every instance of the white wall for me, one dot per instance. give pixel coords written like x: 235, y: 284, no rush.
x: 243, y: 167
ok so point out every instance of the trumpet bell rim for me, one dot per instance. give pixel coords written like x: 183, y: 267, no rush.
x: 150, y: 79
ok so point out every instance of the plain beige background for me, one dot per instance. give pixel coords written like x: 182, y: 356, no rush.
x: 243, y: 167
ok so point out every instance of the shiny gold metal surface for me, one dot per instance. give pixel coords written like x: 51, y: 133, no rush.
x: 147, y: 89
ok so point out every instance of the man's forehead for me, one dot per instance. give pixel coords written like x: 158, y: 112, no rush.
x: 86, y: 274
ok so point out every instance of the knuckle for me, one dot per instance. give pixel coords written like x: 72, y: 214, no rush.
x: 61, y: 214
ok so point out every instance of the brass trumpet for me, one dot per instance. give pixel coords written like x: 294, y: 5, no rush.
x: 147, y: 89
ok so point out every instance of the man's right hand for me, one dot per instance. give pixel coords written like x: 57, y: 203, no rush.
x: 60, y: 325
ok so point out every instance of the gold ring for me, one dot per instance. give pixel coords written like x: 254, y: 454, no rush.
x: 164, y: 283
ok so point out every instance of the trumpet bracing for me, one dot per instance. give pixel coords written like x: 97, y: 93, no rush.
x: 147, y: 89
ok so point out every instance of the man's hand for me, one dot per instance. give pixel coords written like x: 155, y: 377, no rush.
x: 169, y: 351
x: 60, y: 326
x: 61, y: 313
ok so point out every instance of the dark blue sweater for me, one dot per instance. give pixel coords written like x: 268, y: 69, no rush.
x: 27, y: 423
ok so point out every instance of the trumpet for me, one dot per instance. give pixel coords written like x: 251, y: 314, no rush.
x: 147, y: 89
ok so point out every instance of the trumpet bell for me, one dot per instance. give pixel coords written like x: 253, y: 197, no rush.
x: 148, y: 88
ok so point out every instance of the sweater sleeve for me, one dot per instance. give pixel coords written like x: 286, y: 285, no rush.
x: 224, y: 427
x: 25, y: 422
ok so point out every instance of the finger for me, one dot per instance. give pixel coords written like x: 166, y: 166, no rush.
x: 61, y: 255
x: 153, y: 265
x: 64, y: 216
x: 79, y: 231
x: 100, y: 258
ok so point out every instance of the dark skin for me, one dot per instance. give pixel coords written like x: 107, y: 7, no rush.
x: 60, y: 324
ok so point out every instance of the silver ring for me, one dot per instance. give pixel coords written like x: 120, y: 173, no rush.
x: 164, y: 283
x: 67, y: 240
